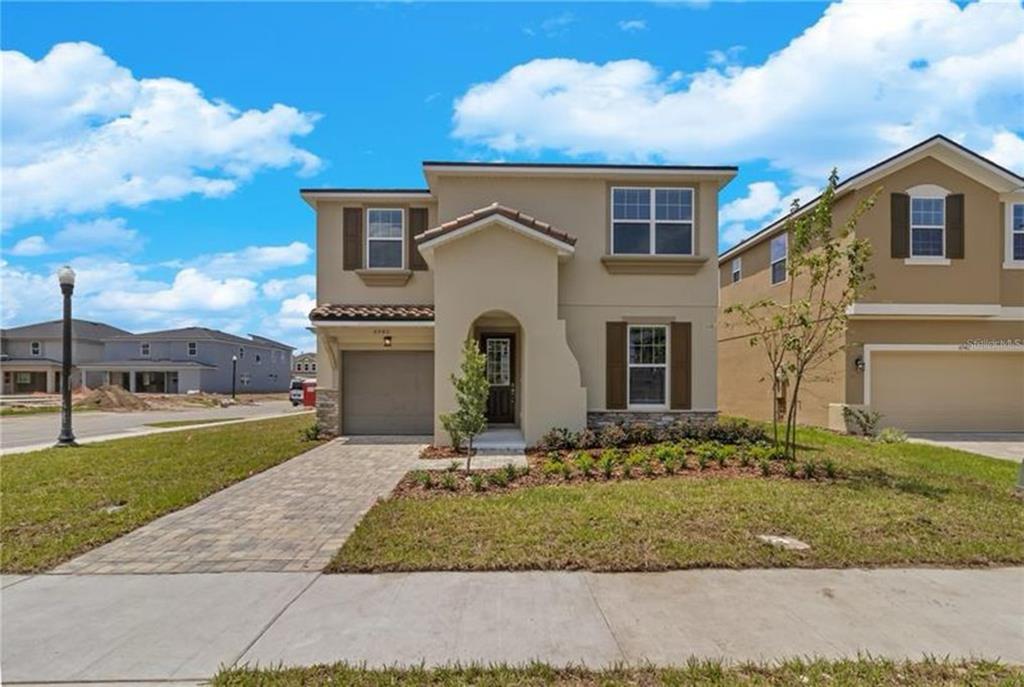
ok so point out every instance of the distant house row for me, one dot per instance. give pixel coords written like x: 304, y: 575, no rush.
x: 169, y: 361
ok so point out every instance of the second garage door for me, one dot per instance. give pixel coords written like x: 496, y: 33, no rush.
x: 955, y: 391
x: 387, y: 392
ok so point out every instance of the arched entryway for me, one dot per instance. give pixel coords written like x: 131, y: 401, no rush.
x: 500, y: 337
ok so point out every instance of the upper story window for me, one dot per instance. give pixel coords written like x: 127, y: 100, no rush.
x: 927, y: 227
x: 259, y: 360
x: 193, y: 349
x: 737, y: 269
x: 779, y: 254
x: 36, y: 347
x: 652, y: 221
x: 241, y: 352
x: 648, y: 365
x: 384, y: 238
x: 144, y: 350
x: 1015, y: 249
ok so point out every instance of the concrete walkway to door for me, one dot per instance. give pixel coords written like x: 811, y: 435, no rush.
x: 291, y: 518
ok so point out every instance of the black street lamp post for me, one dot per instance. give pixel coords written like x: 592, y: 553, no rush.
x: 234, y: 376
x: 66, y: 277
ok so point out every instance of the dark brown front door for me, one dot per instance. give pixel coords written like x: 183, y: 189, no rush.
x: 499, y: 350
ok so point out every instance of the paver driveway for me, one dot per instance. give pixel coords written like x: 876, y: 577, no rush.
x: 292, y: 517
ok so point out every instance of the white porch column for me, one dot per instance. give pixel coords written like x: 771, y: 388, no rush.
x: 50, y: 383
x: 106, y: 377
x: 131, y: 381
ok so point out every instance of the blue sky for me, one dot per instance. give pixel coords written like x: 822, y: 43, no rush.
x: 158, y: 148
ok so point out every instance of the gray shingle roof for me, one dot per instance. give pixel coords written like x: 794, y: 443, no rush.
x: 80, y: 329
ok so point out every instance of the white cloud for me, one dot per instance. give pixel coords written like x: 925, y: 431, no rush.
x: 191, y: 291
x: 254, y: 260
x: 734, y: 233
x: 81, y: 133
x: 633, y: 25
x: 864, y: 81
x: 552, y: 26
x: 294, y: 311
x: 292, y: 286
x: 98, y: 234
x: 763, y: 203
x: 725, y: 57
x: 1007, y: 149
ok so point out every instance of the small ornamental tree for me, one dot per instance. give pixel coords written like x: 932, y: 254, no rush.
x: 799, y: 333
x: 471, y: 389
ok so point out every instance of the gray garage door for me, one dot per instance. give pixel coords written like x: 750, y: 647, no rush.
x: 387, y: 392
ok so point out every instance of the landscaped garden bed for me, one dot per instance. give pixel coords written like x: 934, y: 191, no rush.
x: 877, y: 505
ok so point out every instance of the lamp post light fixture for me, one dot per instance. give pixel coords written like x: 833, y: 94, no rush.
x: 234, y: 375
x: 66, y: 277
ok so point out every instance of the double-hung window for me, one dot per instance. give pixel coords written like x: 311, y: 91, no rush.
x: 193, y: 349
x: 648, y: 365
x: 384, y: 238
x: 36, y: 348
x: 927, y: 227
x: 144, y: 350
x: 1017, y: 232
x: 652, y: 221
x: 737, y: 269
x: 779, y: 253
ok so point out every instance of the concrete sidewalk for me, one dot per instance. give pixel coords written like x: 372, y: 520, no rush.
x: 183, y: 627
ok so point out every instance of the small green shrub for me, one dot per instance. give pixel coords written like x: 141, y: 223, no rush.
x: 552, y: 468
x: 555, y: 457
x: 791, y: 468
x: 424, y: 478
x: 635, y: 460
x: 311, y: 433
x: 746, y: 459
x: 454, y: 465
x: 586, y: 438
x: 830, y: 468
x: 612, y: 436
x: 476, y: 481
x: 584, y: 463
x: 448, y: 481
x: 607, y: 464
x: 640, y: 433
x: 511, y: 472
x: 557, y: 439
x: 863, y: 420
x: 891, y: 435
x: 810, y: 469
x: 765, y: 466
x: 702, y: 461
x: 498, y: 478
x: 664, y: 453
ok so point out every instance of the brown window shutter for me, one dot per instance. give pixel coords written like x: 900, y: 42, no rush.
x: 352, y: 248
x: 681, y: 345
x: 955, y: 226
x: 900, y: 213
x: 417, y: 225
x: 615, y: 368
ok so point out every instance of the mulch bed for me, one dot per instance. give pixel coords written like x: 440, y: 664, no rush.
x: 502, y: 480
x: 441, y: 453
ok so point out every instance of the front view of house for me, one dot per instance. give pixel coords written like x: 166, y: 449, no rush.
x: 592, y: 290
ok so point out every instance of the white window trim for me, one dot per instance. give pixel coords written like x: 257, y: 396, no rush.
x: 192, y: 348
x: 651, y: 221
x: 668, y: 369
x: 144, y: 349
x: 785, y: 258
x: 1008, y: 262
x: 736, y: 270
x: 367, y: 239
x: 927, y: 193
x: 35, y: 348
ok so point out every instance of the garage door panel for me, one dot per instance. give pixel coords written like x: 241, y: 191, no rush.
x: 387, y: 392
x: 949, y: 391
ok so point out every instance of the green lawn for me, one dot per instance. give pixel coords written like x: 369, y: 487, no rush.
x: 189, y: 423
x: 58, y: 503
x: 877, y: 673
x: 895, y: 504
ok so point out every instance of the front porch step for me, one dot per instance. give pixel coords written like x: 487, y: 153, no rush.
x: 479, y: 462
x: 499, y: 441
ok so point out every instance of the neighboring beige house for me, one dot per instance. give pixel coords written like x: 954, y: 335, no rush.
x: 938, y: 344
x: 592, y: 289
x: 304, y: 365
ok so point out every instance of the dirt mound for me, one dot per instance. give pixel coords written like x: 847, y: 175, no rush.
x: 112, y: 398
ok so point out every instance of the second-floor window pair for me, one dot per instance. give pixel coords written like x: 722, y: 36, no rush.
x: 652, y: 221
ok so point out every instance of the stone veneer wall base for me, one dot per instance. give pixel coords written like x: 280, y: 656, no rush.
x: 327, y: 418
x: 596, y: 419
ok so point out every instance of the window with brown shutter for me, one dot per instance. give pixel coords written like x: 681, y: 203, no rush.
x: 680, y: 348
x: 417, y: 225
x: 352, y: 244
x: 899, y: 240
x: 615, y: 365
x: 955, y: 226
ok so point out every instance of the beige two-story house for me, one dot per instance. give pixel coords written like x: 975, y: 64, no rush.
x: 592, y: 290
x: 938, y: 343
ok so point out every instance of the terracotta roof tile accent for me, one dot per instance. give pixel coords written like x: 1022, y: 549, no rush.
x: 497, y: 209
x: 372, y: 313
